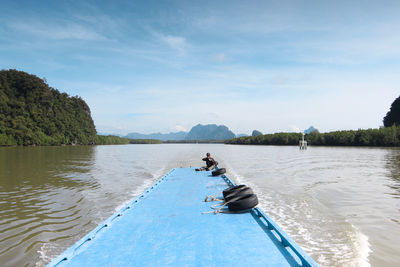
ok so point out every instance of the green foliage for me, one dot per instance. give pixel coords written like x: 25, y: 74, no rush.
x: 32, y: 113
x: 116, y: 140
x: 193, y: 142
x: 385, y: 136
x: 393, y: 116
x: 268, y: 139
x: 145, y: 141
x: 111, y: 140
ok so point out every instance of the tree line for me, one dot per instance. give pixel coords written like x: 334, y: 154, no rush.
x: 144, y: 141
x: 33, y: 113
x: 384, y: 136
x: 389, y: 135
x: 116, y: 140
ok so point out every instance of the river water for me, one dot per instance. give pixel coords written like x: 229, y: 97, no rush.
x: 342, y: 205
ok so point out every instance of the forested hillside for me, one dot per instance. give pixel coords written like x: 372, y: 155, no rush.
x: 32, y: 113
x: 393, y: 115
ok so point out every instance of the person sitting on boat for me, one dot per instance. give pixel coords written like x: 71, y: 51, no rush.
x: 210, y: 162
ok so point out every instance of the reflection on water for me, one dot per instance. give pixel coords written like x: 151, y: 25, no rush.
x: 393, y: 165
x: 340, y: 204
x: 33, y: 180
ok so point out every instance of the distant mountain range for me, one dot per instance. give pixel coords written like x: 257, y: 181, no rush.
x: 198, y: 132
x: 159, y: 136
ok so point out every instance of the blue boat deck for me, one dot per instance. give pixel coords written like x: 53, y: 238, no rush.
x: 165, y: 227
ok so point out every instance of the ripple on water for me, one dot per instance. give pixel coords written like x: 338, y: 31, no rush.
x: 50, y: 197
x: 306, y: 220
x: 31, y: 219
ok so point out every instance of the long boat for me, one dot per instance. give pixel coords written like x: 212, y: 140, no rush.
x: 167, y: 226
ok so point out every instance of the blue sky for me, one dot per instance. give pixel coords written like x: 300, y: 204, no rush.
x: 149, y: 66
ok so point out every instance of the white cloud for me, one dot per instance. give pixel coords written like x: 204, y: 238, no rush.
x: 284, y: 70
x: 177, y: 43
x: 60, y: 31
x: 294, y: 128
x: 179, y: 128
x: 220, y: 57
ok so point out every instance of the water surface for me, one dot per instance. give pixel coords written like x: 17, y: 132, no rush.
x: 340, y: 204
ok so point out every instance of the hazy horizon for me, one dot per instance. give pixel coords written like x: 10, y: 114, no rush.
x: 188, y: 130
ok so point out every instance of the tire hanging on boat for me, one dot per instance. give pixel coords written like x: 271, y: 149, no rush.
x: 218, y: 172
x: 233, y: 189
x: 240, y: 192
x: 243, y: 203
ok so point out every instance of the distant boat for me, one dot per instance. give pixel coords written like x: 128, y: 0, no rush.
x: 164, y: 226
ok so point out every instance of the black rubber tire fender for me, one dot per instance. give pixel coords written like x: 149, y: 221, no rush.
x: 218, y: 172
x: 232, y: 189
x: 240, y: 192
x: 243, y: 203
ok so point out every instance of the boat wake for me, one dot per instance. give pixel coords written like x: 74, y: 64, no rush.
x: 46, y: 253
x: 146, y: 183
x: 306, y: 220
x: 364, y: 248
